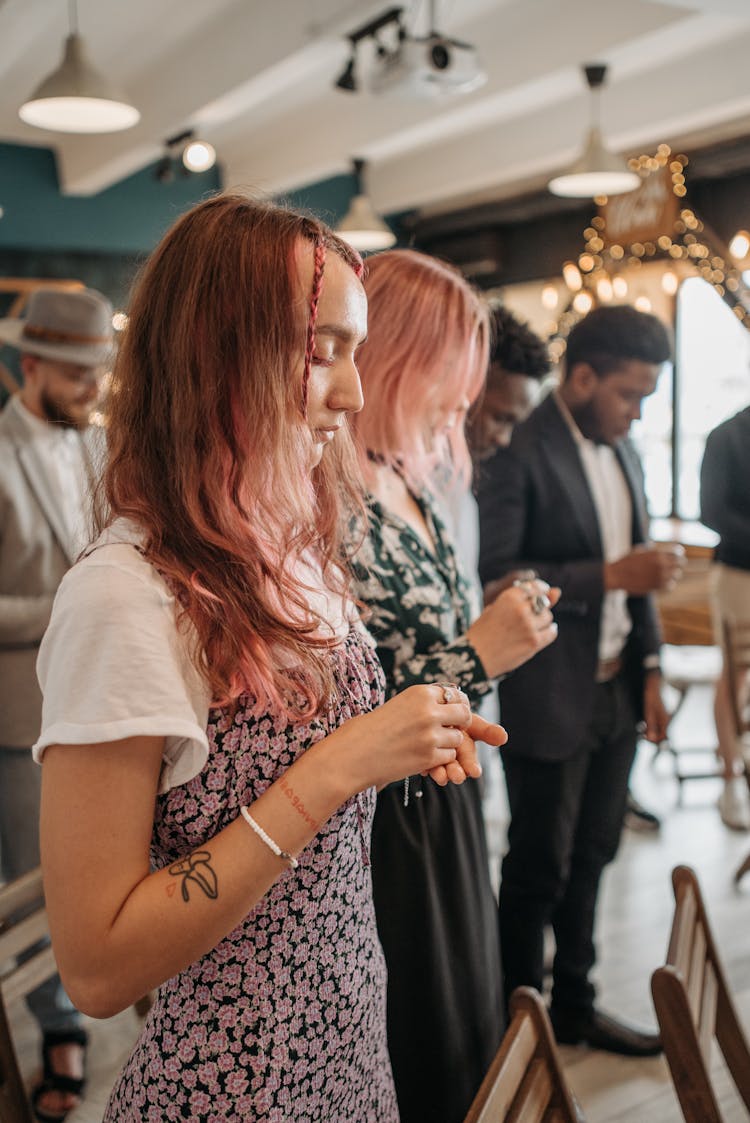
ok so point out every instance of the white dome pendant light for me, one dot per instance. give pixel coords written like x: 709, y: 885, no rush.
x: 597, y: 171
x: 362, y: 227
x: 78, y: 98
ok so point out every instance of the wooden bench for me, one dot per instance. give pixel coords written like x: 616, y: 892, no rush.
x: 694, y: 1006
x: 525, y: 1083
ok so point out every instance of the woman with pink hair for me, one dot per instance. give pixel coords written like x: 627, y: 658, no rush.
x: 423, y: 365
x: 210, y: 757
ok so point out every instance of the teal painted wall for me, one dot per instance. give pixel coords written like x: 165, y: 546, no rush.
x: 329, y: 199
x: 128, y: 218
x: 102, y: 239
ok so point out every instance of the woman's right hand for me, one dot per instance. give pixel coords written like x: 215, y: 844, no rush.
x: 467, y: 763
x: 414, y: 732
x: 512, y: 629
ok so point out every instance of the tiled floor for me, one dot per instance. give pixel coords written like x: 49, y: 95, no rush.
x: 634, y: 923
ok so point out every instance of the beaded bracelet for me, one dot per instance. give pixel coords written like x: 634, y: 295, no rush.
x: 267, y: 839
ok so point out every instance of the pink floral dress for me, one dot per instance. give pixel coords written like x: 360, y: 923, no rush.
x: 284, y: 1021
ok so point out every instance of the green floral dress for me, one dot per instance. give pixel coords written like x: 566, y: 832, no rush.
x: 421, y: 604
x: 435, y: 909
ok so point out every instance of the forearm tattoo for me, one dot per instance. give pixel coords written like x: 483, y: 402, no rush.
x: 195, y: 868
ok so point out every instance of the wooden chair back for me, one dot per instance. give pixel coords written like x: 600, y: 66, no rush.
x: 685, y: 610
x: 694, y: 1007
x: 525, y: 1083
x: 23, y: 924
x: 690, y: 657
x: 737, y: 654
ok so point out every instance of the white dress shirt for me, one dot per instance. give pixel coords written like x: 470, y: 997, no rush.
x: 614, y: 510
x: 64, y: 459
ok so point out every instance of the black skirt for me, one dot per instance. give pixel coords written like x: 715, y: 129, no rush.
x: 437, y: 920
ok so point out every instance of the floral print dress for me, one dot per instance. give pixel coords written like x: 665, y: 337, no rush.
x: 284, y: 1020
x: 435, y: 908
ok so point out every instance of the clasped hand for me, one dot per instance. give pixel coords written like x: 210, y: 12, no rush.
x: 467, y: 763
x: 418, y: 732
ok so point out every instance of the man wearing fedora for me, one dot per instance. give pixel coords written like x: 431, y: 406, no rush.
x: 48, y: 463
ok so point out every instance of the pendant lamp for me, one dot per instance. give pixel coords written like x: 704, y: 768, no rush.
x: 597, y: 171
x: 78, y: 98
x: 362, y: 227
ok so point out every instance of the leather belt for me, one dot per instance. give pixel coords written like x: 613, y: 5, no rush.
x: 607, y: 669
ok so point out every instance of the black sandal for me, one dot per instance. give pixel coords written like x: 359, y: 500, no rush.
x: 56, y: 1081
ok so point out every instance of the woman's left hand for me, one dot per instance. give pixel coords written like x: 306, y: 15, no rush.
x: 517, y: 625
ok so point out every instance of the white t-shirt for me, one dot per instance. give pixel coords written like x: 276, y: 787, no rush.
x: 114, y: 664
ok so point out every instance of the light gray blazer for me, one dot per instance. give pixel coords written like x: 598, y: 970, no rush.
x: 35, y: 553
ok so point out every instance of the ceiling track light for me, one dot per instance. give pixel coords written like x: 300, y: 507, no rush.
x: 198, y: 155
x: 347, y: 80
x: 597, y: 171
x: 185, y: 152
x: 164, y: 170
x: 362, y: 227
x: 407, y: 65
x: 76, y: 97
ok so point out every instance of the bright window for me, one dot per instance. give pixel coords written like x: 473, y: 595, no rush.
x: 652, y: 436
x: 713, y: 382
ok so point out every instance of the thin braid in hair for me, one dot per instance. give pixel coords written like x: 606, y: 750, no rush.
x: 317, y: 287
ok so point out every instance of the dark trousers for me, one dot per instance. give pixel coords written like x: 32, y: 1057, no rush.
x: 566, y: 819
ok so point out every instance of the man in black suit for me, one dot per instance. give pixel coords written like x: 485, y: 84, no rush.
x: 566, y: 499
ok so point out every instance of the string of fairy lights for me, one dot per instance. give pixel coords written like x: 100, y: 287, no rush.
x: 597, y: 277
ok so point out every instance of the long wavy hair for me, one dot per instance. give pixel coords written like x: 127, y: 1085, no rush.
x: 425, y: 357
x: 208, y: 449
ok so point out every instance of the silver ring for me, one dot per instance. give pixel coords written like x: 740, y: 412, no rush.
x: 538, y: 603
x: 451, y: 692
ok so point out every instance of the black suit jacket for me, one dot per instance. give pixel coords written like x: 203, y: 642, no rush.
x: 536, y: 512
x: 725, y: 495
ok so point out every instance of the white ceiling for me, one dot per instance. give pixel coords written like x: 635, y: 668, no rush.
x: 255, y: 77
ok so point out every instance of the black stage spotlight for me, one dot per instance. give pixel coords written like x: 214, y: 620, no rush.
x: 164, y: 170
x: 347, y: 80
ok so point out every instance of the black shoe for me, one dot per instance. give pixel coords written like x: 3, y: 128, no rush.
x: 53, y: 1081
x: 601, y: 1031
x: 638, y: 818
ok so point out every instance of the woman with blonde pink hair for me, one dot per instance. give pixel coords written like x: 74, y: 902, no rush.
x: 422, y: 367
x: 212, y: 736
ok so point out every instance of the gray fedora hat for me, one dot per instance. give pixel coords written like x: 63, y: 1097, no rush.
x: 71, y: 326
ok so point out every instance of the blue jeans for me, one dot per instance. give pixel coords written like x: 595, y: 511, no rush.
x: 20, y: 790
